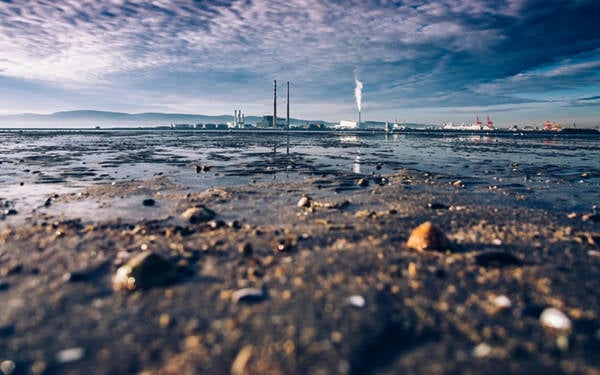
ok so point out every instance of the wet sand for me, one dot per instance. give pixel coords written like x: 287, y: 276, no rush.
x: 335, y: 290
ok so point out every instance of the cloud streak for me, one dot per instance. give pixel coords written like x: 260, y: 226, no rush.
x: 410, y: 53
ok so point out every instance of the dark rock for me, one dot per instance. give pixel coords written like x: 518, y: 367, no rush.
x: 143, y: 271
x: 200, y: 214
x: 149, y: 202
x: 497, y: 259
x: 437, y: 206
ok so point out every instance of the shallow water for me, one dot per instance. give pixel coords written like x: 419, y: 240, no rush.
x: 556, y: 173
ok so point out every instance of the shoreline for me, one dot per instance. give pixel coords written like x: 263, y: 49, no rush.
x: 418, y: 311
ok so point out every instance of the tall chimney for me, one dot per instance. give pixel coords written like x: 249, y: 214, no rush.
x: 358, y: 125
x: 287, y: 118
x: 274, y: 103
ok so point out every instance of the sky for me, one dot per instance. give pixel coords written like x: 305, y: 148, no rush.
x: 518, y: 61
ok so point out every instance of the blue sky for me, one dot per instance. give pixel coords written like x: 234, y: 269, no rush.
x: 519, y: 61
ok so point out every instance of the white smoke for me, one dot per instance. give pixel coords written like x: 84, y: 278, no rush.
x: 358, y: 92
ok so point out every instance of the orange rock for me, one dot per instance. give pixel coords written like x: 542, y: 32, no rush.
x: 428, y: 236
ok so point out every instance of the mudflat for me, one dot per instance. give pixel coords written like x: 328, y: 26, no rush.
x: 305, y: 277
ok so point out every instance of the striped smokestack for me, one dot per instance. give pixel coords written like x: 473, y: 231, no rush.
x: 287, y: 118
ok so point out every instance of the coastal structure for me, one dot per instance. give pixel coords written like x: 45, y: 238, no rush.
x: 476, y: 126
x: 348, y: 125
x: 239, y: 120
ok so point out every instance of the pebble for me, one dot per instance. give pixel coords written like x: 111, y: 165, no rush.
x: 437, y: 206
x: 362, y: 182
x: 497, y: 259
x: 247, y: 295
x: 200, y: 214
x: 502, y: 302
x: 245, y: 248
x: 590, y: 217
x: 428, y: 236
x: 482, y: 350
x: 143, y: 271
x: 7, y: 367
x: 70, y: 355
x: 555, y: 319
x: 304, y: 201
x: 240, y: 362
x: 356, y: 301
x: 149, y: 202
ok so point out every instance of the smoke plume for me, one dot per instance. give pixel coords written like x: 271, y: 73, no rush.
x: 358, y: 92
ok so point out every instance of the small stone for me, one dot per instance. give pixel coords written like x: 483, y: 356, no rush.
x: 164, y: 320
x: 497, y: 259
x: 502, y: 302
x: 458, y: 183
x: 362, y: 182
x: 200, y: 214
x: 572, y: 215
x: 590, y: 217
x: 356, y: 301
x: 245, y: 248
x: 555, y: 320
x: 247, y: 295
x: 562, y: 342
x: 7, y: 367
x: 482, y: 350
x: 305, y: 201
x: 149, y: 202
x: 70, y: 355
x: 438, y: 206
x: 241, y: 361
x: 143, y: 271
x: 284, y: 244
x: 412, y: 269
x: 428, y: 236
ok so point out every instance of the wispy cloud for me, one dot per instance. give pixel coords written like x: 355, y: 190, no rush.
x: 409, y: 53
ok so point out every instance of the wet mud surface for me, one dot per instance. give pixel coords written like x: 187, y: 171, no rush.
x: 308, y: 274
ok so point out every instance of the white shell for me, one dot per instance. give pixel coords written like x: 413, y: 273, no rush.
x: 70, y: 355
x: 502, y: 302
x: 555, y: 319
x: 356, y: 301
x: 482, y: 350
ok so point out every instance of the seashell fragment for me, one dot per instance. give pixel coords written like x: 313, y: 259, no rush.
x: 428, y: 236
x: 247, y: 295
x: 555, y: 319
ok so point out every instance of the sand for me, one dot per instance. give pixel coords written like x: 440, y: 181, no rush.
x: 333, y: 287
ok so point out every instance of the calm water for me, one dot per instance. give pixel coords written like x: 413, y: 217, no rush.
x: 557, y: 173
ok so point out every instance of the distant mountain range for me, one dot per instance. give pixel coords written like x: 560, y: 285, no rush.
x: 89, y: 118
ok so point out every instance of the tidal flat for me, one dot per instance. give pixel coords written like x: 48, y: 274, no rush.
x: 163, y: 271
